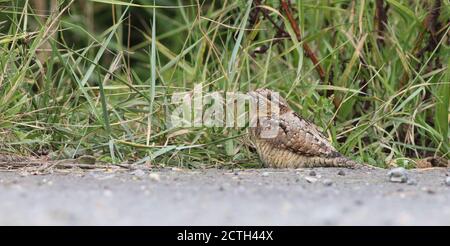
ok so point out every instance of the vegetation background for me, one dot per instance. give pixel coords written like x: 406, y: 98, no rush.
x: 96, y: 76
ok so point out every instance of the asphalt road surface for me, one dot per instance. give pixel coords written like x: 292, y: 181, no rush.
x: 225, y: 197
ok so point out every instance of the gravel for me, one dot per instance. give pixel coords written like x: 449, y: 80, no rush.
x: 219, y: 197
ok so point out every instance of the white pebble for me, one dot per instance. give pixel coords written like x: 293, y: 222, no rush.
x: 154, y: 176
x: 398, y: 175
x: 310, y: 179
x: 447, y: 181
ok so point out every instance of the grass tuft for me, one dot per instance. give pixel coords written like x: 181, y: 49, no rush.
x: 97, y: 77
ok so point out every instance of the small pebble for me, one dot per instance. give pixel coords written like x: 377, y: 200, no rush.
x: 447, y: 181
x: 107, y: 193
x: 44, y: 182
x: 428, y: 190
x: 310, y: 180
x: 411, y: 182
x: 86, y: 159
x: 265, y: 174
x: 312, y: 173
x: 358, y: 202
x: 138, y: 173
x: 327, y: 182
x: 154, y: 176
x: 341, y: 173
x: 398, y: 175
x: 24, y: 173
x: 103, y: 177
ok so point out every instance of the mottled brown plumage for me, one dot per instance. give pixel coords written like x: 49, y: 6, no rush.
x: 283, y: 139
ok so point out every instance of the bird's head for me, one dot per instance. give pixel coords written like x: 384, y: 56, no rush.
x: 269, y: 101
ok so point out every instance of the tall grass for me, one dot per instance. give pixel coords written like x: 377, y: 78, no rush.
x: 96, y: 77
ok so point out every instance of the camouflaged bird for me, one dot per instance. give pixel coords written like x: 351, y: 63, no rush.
x: 283, y: 139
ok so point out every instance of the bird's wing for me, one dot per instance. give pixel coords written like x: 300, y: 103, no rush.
x: 300, y: 136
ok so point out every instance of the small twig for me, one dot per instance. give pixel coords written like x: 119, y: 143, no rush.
x: 57, y: 164
x: 254, y: 14
x: 381, y: 20
x: 308, y: 51
x: 431, y: 25
x: 279, y: 28
x: 279, y: 36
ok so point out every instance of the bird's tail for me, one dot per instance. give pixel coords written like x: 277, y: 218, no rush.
x: 347, y: 162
